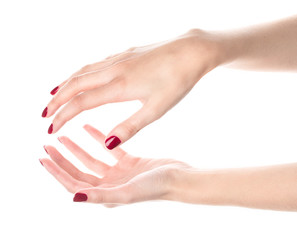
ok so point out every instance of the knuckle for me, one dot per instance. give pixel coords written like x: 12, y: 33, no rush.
x: 131, y: 49
x: 78, y: 102
x: 86, y: 68
x: 130, y: 128
x: 120, y: 66
x: 74, y: 82
x: 194, y: 31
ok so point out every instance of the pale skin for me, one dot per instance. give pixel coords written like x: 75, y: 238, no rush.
x: 134, y: 179
x: 160, y: 75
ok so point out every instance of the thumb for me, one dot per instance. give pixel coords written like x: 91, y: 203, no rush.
x: 116, y: 195
x: 127, y: 129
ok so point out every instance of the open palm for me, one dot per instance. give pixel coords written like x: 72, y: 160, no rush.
x: 131, y: 179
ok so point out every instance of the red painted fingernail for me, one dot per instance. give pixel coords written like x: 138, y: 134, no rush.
x: 55, y: 90
x: 80, y: 197
x: 45, y: 149
x: 50, y: 129
x: 112, y: 142
x: 44, y: 113
x: 40, y: 162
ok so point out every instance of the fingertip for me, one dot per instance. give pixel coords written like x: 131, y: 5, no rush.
x: 50, y: 129
x: 60, y: 139
x: 44, y: 146
x: 80, y: 197
x: 44, y: 113
x: 40, y: 161
x: 112, y: 142
x: 86, y: 126
x: 54, y: 91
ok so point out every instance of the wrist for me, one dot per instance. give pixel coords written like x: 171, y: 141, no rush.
x: 222, y: 47
x: 196, y: 186
x: 215, y: 45
x: 187, y: 185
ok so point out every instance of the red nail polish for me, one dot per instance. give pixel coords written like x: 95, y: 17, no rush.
x: 50, y: 129
x: 45, y: 149
x: 55, y: 90
x: 80, y: 197
x: 44, y: 113
x: 40, y: 162
x: 112, y: 142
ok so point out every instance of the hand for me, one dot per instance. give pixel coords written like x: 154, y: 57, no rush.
x: 159, y: 75
x: 131, y: 179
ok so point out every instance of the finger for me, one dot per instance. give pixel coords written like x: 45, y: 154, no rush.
x: 107, y: 62
x: 78, y: 84
x: 118, y: 153
x: 109, y: 93
x: 109, y: 205
x: 116, y: 195
x: 97, y: 166
x: 119, y: 56
x: 131, y: 126
x: 57, y: 88
x: 86, y: 78
x: 52, y: 92
x: 71, y: 184
x: 111, y: 56
x: 70, y: 168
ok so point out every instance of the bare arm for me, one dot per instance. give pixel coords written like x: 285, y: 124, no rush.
x: 271, y: 187
x: 135, y: 179
x: 271, y: 46
x: 160, y: 75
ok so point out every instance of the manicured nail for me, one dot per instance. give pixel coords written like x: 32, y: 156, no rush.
x: 55, y: 90
x: 50, y: 129
x: 40, y: 162
x: 44, y: 113
x: 45, y: 149
x: 112, y: 142
x: 60, y: 140
x: 80, y: 197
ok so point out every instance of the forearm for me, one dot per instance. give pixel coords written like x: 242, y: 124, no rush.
x: 271, y: 187
x: 271, y: 46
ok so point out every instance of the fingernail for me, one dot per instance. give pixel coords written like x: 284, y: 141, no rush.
x: 45, y: 149
x: 40, y: 162
x: 50, y: 129
x: 80, y: 197
x: 55, y: 90
x: 112, y: 142
x: 44, y: 113
x: 60, y: 140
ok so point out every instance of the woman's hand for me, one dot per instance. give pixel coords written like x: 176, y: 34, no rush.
x: 131, y: 179
x: 158, y: 75
x: 134, y: 179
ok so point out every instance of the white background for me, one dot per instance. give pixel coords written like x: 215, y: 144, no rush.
x: 231, y: 118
